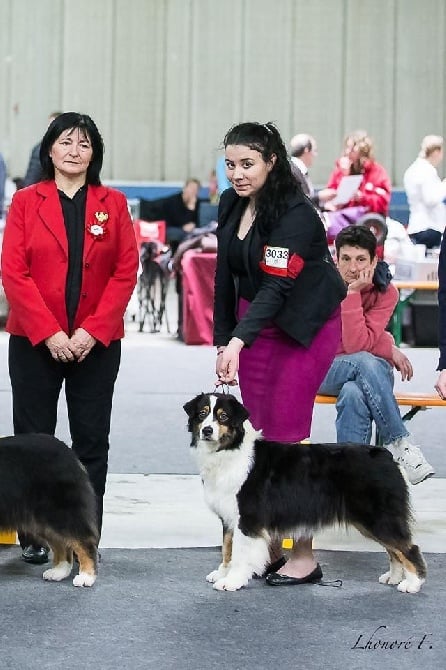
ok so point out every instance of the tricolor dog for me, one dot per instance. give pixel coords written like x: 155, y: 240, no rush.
x: 46, y: 493
x: 262, y: 490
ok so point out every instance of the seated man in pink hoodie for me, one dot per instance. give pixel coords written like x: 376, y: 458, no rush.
x: 361, y: 374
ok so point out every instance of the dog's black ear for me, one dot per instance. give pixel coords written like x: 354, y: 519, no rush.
x: 239, y: 411
x: 191, y: 406
x: 191, y: 409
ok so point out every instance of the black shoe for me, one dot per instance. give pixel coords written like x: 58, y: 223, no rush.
x: 33, y: 554
x: 272, y: 567
x: 276, y: 579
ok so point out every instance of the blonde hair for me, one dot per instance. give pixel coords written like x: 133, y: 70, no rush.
x: 362, y: 142
x: 429, y: 144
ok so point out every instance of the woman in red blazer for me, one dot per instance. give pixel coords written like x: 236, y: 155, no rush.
x: 69, y: 264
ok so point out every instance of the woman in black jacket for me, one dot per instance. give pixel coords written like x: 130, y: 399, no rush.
x: 277, y: 296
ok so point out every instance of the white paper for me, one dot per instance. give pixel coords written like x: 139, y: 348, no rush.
x: 347, y: 188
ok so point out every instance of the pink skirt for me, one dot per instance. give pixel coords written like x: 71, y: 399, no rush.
x: 279, y: 378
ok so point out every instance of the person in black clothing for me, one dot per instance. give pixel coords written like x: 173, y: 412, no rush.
x: 179, y: 211
x: 277, y: 317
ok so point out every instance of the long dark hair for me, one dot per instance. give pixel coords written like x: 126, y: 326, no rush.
x: 280, y: 185
x: 86, y: 125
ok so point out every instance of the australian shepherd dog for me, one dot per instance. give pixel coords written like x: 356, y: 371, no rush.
x: 46, y: 493
x: 267, y: 490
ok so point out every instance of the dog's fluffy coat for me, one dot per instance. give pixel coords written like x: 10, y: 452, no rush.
x: 262, y: 490
x: 46, y: 492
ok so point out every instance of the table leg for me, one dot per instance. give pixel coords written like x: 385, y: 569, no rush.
x: 396, y: 324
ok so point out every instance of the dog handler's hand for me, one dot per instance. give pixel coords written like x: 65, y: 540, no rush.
x: 58, y: 344
x: 228, y: 363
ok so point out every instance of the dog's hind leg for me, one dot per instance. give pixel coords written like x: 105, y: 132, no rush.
x: 62, y: 561
x: 407, y: 566
x: 249, y: 555
x: 414, y: 568
x: 86, y: 552
x: 226, y: 554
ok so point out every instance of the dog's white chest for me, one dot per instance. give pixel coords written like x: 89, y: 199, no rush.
x: 223, y: 473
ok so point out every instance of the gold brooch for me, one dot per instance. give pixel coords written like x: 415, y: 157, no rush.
x: 101, y: 216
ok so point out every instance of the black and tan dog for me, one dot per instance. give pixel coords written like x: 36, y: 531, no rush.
x: 46, y: 492
x: 262, y: 490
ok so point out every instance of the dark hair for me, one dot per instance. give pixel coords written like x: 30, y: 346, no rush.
x: 271, y: 201
x: 86, y: 125
x: 356, y: 236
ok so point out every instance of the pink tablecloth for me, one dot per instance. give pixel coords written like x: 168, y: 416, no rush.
x: 198, y: 270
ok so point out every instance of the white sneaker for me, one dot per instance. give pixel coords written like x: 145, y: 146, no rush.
x: 410, y: 457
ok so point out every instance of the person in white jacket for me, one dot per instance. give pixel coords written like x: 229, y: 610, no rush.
x: 426, y: 193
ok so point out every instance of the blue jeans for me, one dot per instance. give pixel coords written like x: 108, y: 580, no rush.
x: 363, y: 384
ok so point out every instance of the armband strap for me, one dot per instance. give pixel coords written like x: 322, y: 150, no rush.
x: 278, y: 262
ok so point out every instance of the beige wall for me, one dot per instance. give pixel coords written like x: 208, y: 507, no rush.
x: 164, y: 79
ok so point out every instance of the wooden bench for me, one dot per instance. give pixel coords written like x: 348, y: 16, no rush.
x: 416, y: 402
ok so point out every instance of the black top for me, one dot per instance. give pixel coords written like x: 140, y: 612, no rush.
x: 172, y: 210
x: 237, y: 266
x: 73, y: 210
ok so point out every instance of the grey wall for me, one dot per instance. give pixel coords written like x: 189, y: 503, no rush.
x: 164, y: 79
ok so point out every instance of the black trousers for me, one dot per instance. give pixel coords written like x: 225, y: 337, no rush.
x: 36, y: 380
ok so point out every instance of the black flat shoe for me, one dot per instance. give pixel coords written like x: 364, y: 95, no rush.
x: 275, y: 579
x: 272, y: 567
x: 36, y: 555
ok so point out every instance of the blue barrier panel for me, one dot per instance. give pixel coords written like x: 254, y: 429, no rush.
x: 152, y: 190
x: 398, y: 208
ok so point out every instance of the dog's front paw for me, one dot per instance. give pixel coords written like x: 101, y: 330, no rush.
x: 84, y: 579
x: 232, y: 582
x: 391, y: 577
x: 411, y: 584
x: 58, y: 572
x: 217, y: 574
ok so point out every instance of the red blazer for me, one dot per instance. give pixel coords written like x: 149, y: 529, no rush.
x: 35, y: 264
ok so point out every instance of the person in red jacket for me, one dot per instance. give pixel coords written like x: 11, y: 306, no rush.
x: 361, y: 375
x: 373, y: 193
x: 69, y: 264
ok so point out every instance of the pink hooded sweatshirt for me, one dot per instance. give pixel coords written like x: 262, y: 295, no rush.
x: 365, y: 316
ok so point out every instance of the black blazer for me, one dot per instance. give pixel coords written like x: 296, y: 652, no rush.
x: 299, y: 306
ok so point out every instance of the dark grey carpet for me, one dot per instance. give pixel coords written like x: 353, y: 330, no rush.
x: 153, y: 609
